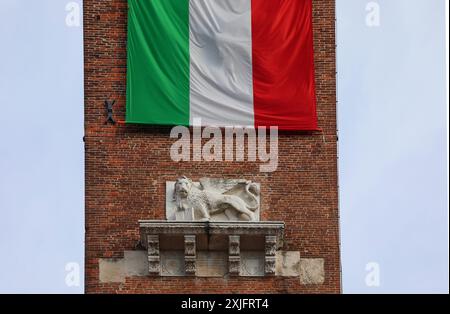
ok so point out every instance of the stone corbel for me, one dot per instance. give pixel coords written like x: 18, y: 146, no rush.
x: 154, y: 267
x: 234, y: 258
x: 189, y: 254
x: 270, y: 252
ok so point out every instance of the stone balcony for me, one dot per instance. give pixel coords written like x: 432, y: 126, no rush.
x: 196, y: 248
x: 212, y: 229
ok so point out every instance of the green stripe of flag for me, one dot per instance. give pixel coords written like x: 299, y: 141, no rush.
x: 158, y: 62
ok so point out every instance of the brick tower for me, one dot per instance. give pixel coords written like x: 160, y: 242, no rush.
x: 127, y: 167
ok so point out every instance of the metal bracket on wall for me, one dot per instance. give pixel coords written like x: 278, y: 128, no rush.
x: 109, y: 111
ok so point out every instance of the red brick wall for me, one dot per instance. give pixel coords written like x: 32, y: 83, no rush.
x: 127, y: 166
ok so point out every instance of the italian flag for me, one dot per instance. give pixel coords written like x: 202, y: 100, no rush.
x: 227, y: 62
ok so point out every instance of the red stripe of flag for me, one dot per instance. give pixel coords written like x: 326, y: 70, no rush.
x: 283, y: 64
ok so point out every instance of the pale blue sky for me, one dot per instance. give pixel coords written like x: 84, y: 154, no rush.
x: 393, y: 153
x: 393, y: 165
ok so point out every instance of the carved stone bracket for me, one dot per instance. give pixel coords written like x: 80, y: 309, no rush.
x: 154, y: 267
x: 271, y: 249
x: 189, y: 254
x: 234, y: 258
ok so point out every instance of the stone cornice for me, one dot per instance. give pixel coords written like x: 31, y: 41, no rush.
x: 261, y: 228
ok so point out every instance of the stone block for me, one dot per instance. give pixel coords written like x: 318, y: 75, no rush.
x: 252, y: 263
x: 312, y: 271
x: 287, y: 263
x: 172, y: 263
x: 212, y: 264
x: 136, y: 263
x: 111, y: 270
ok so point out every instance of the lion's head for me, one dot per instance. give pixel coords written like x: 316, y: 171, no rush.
x: 182, y: 188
